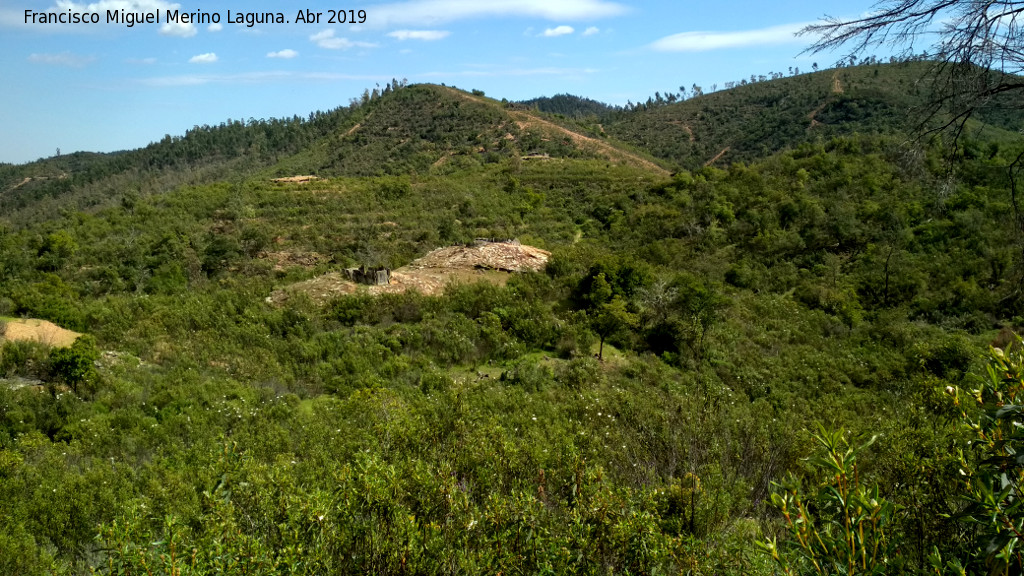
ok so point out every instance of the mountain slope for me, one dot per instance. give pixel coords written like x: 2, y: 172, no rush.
x: 421, y: 127
x: 757, y: 119
x: 630, y: 409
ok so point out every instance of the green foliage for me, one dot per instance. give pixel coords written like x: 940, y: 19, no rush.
x: 393, y: 189
x: 76, y: 364
x: 247, y: 421
x: 610, y: 318
x: 845, y: 528
x: 24, y: 358
x: 991, y: 474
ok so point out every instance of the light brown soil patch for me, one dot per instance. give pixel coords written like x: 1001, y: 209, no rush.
x: 491, y: 262
x: 353, y: 129
x: 717, y: 157
x: 39, y: 331
x: 28, y: 179
x: 296, y: 179
x: 837, y: 88
x: 814, y: 114
x: 440, y: 161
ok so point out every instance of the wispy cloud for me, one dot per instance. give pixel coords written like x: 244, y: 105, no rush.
x: 327, y: 39
x: 426, y: 35
x: 146, y: 61
x: 591, y: 31
x: 558, y: 31
x: 215, y: 27
x: 62, y: 59
x: 208, y: 58
x: 702, y: 41
x: 253, y: 78
x: 285, y: 54
x: 432, y: 12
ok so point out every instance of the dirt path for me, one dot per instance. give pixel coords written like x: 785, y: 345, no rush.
x: 837, y: 86
x: 440, y: 161
x: 524, y: 120
x: 689, y: 131
x: 717, y: 156
x: 814, y: 113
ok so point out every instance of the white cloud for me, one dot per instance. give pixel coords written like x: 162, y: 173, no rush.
x: 178, y: 29
x: 146, y: 61
x: 430, y: 12
x: 286, y: 54
x: 62, y: 59
x: 701, y: 41
x: 591, y: 31
x: 215, y: 27
x: 426, y: 35
x: 327, y: 39
x: 208, y: 58
x: 558, y: 31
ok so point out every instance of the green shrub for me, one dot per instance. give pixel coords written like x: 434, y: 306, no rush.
x: 76, y: 364
x: 845, y: 527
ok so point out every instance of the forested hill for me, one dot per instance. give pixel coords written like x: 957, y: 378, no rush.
x: 576, y: 107
x: 689, y: 353
x: 424, y: 128
x: 401, y: 130
x: 230, y: 150
x: 756, y: 119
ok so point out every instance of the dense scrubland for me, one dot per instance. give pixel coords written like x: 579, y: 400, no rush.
x: 702, y: 354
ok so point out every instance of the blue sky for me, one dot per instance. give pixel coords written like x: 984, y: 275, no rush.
x: 105, y: 87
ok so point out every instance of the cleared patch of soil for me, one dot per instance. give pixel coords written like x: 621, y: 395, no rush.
x: 296, y: 179
x: 353, y: 129
x: 837, y: 86
x: 717, y: 157
x: 40, y: 331
x: 492, y: 262
x: 507, y: 256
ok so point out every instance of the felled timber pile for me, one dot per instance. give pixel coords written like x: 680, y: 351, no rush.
x: 505, y: 256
